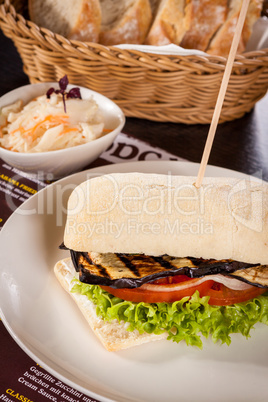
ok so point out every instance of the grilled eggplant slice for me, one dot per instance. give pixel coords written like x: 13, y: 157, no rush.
x: 133, y: 270
x: 257, y: 276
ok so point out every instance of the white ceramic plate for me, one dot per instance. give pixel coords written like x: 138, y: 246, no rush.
x: 47, y: 325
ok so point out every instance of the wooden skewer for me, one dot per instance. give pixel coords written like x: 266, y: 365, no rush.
x: 222, y: 92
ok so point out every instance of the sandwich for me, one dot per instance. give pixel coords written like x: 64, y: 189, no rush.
x: 153, y: 256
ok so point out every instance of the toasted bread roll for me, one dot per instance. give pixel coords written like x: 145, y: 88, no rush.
x: 125, y: 21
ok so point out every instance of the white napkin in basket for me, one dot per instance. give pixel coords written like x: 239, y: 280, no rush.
x: 167, y: 49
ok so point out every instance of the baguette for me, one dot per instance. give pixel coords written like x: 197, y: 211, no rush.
x: 254, y: 12
x: 169, y: 25
x: 113, y: 335
x: 205, y: 25
x: 75, y: 19
x: 205, y: 19
x: 221, y: 43
x: 125, y: 21
x: 154, y: 6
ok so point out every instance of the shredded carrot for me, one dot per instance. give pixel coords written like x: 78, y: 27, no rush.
x: 52, y: 119
x: 23, y: 134
x: 68, y: 130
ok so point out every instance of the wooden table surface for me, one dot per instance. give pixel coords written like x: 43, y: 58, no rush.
x: 241, y: 145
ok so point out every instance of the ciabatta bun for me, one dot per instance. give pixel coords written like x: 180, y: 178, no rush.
x: 126, y: 21
x: 226, y: 218
x: 74, y: 19
x: 114, y: 335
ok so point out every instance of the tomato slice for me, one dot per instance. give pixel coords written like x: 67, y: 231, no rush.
x: 220, y: 295
x: 171, y: 289
x: 162, y: 290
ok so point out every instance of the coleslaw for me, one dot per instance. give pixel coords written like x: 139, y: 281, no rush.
x: 43, y: 125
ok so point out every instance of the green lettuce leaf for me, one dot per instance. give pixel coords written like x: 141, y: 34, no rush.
x: 186, y: 319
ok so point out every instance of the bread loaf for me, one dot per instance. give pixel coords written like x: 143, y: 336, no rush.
x: 74, y: 19
x: 125, y: 21
x: 158, y: 214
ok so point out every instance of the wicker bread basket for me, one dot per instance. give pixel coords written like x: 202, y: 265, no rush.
x: 181, y: 89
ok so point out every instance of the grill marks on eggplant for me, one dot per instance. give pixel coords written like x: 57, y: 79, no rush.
x: 129, y: 263
x: 257, y: 276
x: 133, y: 270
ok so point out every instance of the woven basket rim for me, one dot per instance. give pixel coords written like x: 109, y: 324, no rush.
x: 165, y: 88
x: 51, y: 40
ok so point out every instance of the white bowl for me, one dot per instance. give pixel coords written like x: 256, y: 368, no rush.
x: 56, y: 164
